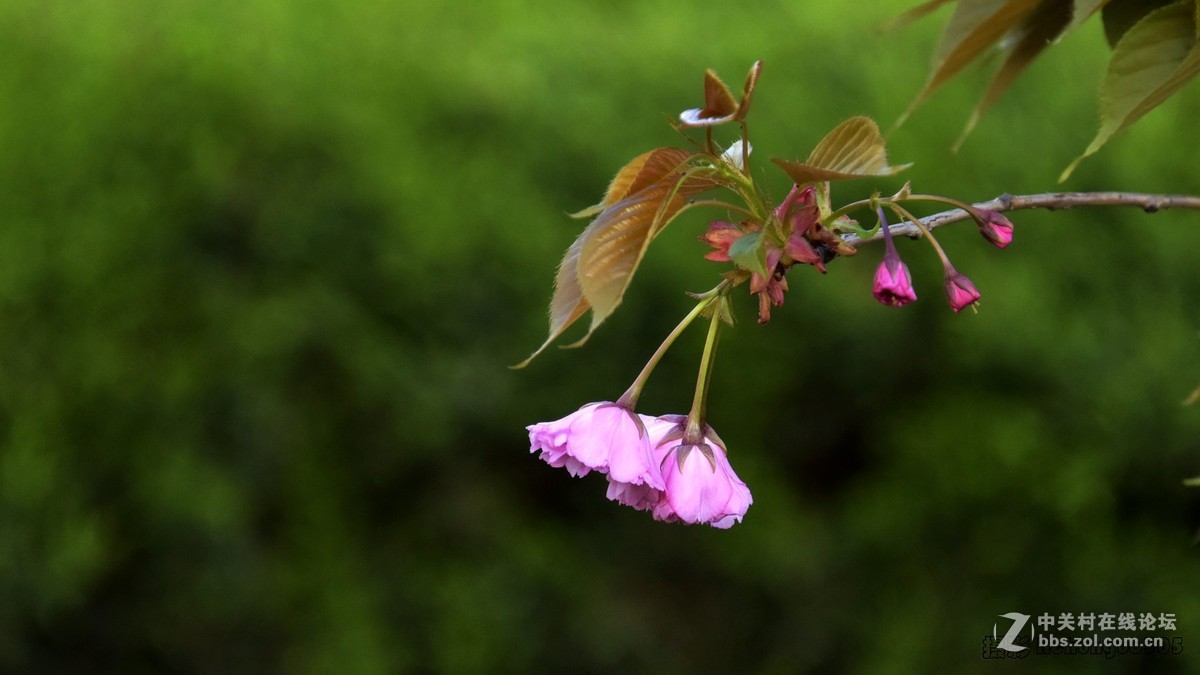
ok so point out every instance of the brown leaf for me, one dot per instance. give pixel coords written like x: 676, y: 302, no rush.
x: 854, y: 149
x: 614, y: 244
x: 598, y: 266
x: 719, y: 106
x: 641, y: 172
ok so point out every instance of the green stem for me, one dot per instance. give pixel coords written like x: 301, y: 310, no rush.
x: 906, y: 215
x: 721, y: 205
x: 862, y: 203
x: 969, y: 208
x: 630, y: 397
x: 695, y: 421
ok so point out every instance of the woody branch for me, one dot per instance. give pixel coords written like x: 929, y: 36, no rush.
x: 1054, y: 201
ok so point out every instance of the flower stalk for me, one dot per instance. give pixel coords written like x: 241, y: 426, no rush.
x: 629, y: 399
x: 694, y: 432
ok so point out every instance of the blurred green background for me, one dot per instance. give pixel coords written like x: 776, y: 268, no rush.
x: 263, y: 265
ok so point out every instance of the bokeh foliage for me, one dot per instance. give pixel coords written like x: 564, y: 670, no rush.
x: 262, y: 265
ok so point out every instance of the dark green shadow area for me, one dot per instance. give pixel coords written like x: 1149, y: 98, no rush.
x: 263, y: 266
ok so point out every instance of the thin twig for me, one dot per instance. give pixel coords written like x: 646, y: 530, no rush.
x: 1055, y: 201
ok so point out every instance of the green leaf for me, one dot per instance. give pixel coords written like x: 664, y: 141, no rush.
x: 641, y: 172
x: 975, y: 26
x: 1153, y: 60
x: 1036, y: 32
x: 748, y: 253
x: 1192, y: 482
x: 854, y: 149
x: 568, y: 303
x: 1121, y: 15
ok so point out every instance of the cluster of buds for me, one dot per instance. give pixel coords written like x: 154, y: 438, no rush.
x: 675, y: 466
x: 893, y: 281
x: 795, y: 233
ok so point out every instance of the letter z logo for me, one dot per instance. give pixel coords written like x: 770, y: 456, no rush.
x: 1019, y: 620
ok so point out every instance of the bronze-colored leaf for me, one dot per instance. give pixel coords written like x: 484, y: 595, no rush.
x: 1036, y: 32
x: 641, y: 172
x: 719, y: 106
x: 598, y: 266
x: 748, y: 89
x: 854, y: 149
x: 1153, y: 60
x: 568, y: 303
x: 614, y: 244
x: 975, y: 26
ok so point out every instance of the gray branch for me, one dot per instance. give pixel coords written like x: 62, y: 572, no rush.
x: 1054, y: 201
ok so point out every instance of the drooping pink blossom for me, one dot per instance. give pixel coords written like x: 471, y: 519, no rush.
x: 960, y: 292
x: 603, y: 437
x: 700, y: 486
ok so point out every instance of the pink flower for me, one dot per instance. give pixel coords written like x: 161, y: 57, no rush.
x: 602, y: 437
x: 799, y: 211
x: 959, y: 290
x: 770, y: 289
x: 720, y: 236
x: 893, y: 283
x: 996, y: 228
x: 699, y: 484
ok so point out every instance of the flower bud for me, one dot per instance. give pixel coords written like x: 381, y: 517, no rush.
x: 960, y: 292
x: 734, y: 155
x: 996, y: 228
x: 893, y: 282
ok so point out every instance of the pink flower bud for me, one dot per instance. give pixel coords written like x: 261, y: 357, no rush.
x: 959, y: 290
x: 600, y: 437
x: 996, y: 228
x: 893, y: 283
